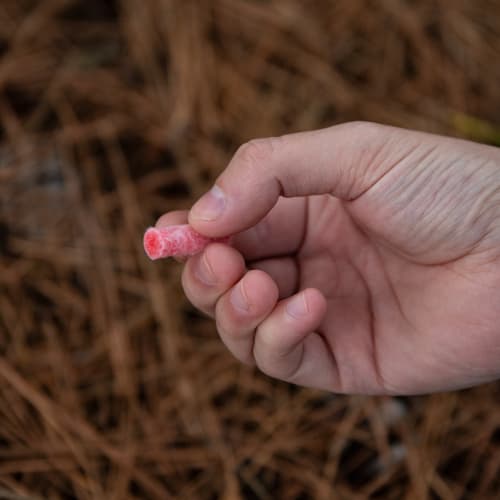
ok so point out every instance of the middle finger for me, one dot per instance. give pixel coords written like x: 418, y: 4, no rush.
x: 210, y: 274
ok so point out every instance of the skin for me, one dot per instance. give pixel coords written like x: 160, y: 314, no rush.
x: 388, y: 238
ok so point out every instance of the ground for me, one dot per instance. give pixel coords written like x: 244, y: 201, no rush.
x: 114, y: 112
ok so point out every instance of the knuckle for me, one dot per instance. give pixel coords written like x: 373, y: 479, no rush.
x: 232, y: 339
x: 220, y: 326
x: 202, y: 300
x: 271, y: 359
x: 363, y: 128
x: 252, y: 153
x: 269, y: 369
x: 361, y: 169
x: 257, y: 151
x: 224, y: 322
x: 263, y: 230
x: 275, y: 368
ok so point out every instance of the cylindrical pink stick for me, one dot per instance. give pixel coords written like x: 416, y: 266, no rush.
x: 175, y: 241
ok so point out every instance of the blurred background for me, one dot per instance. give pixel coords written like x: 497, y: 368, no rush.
x: 113, y: 112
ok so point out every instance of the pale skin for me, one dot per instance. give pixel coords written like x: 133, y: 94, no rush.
x: 386, y: 241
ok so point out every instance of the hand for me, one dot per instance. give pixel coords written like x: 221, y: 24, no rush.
x: 366, y: 259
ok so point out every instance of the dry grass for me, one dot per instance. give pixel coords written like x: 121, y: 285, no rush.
x: 111, y: 113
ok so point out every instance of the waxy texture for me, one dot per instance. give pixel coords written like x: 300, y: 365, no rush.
x: 175, y: 241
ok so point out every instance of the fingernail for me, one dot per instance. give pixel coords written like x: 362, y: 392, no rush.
x: 210, y: 205
x: 297, y: 307
x: 238, y: 297
x: 204, y: 271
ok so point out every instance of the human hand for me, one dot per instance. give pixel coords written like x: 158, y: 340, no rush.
x: 366, y: 259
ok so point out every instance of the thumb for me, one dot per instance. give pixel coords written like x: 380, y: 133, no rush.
x: 344, y: 160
